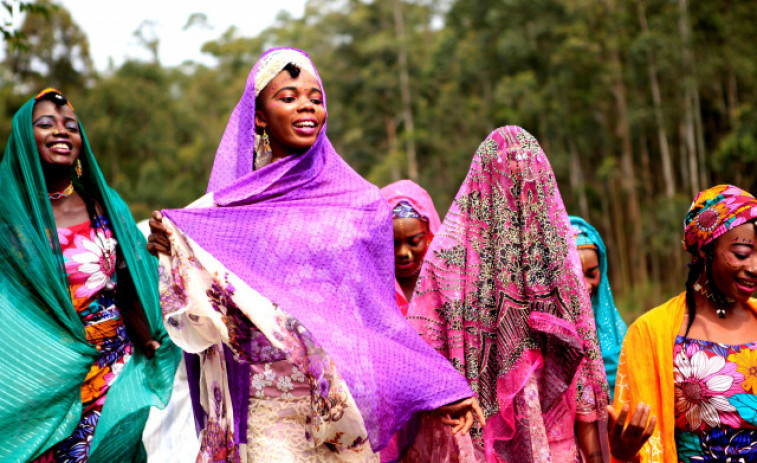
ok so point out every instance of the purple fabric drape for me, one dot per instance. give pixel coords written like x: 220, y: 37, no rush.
x: 315, y: 238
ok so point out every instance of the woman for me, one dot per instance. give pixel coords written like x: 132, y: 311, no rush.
x: 610, y: 326
x: 280, y: 278
x: 415, y: 222
x: 693, y: 359
x: 84, y: 350
x: 500, y: 296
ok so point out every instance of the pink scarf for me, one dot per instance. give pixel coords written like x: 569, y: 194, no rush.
x: 500, y: 296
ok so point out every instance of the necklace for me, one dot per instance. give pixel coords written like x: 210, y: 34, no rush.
x: 65, y: 193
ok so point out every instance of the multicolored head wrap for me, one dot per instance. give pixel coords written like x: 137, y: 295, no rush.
x: 403, y: 210
x: 406, y: 198
x: 714, y: 212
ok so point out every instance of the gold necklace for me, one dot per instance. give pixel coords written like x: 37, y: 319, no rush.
x: 65, y: 193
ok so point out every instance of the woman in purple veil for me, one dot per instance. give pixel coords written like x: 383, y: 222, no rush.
x: 281, y: 279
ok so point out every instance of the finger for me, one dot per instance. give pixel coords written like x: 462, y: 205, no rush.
x: 479, y: 413
x: 650, y: 428
x: 157, y: 215
x: 448, y: 420
x: 468, y: 423
x: 638, y: 421
x: 457, y: 407
x: 460, y: 425
x: 620, y: 422
x: 612, y: 418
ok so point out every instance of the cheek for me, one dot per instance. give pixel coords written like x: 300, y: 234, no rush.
x: 732, y: 263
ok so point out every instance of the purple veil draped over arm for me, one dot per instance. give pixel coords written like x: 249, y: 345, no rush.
x: 311, y: 235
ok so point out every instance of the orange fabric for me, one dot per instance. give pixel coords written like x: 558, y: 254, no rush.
x: 645, y: 374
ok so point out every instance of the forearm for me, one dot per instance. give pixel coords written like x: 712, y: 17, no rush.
x: 588, y: 441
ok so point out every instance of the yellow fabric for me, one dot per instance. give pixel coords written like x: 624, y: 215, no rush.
x: 646, y: 374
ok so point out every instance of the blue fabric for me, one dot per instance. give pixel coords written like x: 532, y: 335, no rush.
x: 611, y: 328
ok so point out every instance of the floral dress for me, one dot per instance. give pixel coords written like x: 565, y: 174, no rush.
x: 89, y: 255
x: 715, y: 401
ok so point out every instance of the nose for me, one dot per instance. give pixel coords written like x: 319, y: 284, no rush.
x: 60, y: 130
x: 404, y: 253
x: 306, y: 104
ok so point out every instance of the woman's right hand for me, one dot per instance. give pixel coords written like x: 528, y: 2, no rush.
x: 158, y: 239
x: 627, y: 441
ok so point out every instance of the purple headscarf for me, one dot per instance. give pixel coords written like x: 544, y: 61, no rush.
x: 315, y: 238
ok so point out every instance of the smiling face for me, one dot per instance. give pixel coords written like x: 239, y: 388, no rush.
x: 411, y: 238
x: 590, y: 266
x: 292, y: 112
x: 56, y: 131
x: 734, y: 263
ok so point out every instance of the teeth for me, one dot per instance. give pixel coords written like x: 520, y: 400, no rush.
x: 59, y: 145
x: 303, y: 124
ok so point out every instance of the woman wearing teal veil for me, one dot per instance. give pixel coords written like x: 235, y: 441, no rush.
x: 611, y: 328
x: 84, y: 352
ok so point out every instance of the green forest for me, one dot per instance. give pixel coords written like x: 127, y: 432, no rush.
x: 638, y: 104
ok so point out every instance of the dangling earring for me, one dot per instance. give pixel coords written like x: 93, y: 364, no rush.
x: 78, y: 168
x: 266, y: 143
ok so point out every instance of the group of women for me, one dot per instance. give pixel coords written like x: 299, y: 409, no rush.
x: 276, y: 284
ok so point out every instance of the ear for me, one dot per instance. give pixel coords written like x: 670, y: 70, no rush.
x: 260, y: 119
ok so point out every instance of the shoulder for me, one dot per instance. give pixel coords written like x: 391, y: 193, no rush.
x: 663, y: 319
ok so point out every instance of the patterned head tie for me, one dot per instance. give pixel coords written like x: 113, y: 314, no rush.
x: 403, y: 210
x: 714, y: 212
x: 273, y: 63
x: 583, y: 241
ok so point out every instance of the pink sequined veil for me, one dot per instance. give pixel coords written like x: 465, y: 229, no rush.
x: 500, y: 296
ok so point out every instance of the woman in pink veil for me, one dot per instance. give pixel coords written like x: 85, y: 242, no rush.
x: 500, y: 296
x: 415, y: 224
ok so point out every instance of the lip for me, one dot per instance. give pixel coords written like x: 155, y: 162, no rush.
x: 306, y: 131
x: 406, y: 266
x: 746, y: 287
x: 63, y: 147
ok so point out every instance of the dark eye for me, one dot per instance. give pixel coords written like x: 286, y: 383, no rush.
x: 287, y: 99
x: 316, y: 101
x: 43, y: 124
x: 72, y: 126
x: 740, y: 256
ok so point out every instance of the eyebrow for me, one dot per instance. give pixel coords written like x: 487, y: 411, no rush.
x: 313, y: 89
x: 65, y: 118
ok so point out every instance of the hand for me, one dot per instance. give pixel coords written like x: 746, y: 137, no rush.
x: 459, y: 415
x: 626, y: 443
x: 150, y: 347
x: 158, y: 239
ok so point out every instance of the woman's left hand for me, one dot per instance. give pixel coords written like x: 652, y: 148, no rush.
x: 150, y: 347
x: 459, y: 415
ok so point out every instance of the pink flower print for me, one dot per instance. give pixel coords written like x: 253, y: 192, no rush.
x: 64, y: 235
x: 92, y: 261
x: 702, y: 385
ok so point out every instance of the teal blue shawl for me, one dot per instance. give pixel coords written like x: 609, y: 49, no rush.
x: 45, y: 355
x: 611, y: 328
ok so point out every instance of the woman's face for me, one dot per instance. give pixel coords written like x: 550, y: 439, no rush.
x: 590, y: 265
x: 734, y: 263
x: 56, y: 131
x: 411, y: 239
x: 292, y: 112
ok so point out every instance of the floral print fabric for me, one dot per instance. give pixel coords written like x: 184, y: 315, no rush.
x: 208, y: 309
x: 89, y: 255
x: 715, y: 401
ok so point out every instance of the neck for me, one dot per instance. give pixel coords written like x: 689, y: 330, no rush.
x: 55, y: 185
x: 408, y: 285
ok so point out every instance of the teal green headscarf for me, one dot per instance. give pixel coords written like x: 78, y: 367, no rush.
x: 611, y: 328
x: 45, y: 355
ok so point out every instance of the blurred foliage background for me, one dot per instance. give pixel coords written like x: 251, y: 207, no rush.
x: 639, y: 104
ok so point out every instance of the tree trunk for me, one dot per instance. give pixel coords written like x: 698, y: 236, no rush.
x: 690, y: 102
x: 577, y: 183
x: 407, y: 110
x: 662, y: 136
